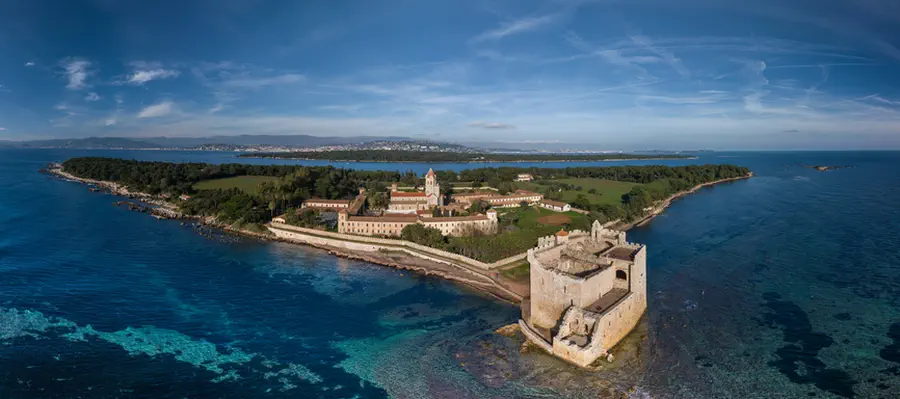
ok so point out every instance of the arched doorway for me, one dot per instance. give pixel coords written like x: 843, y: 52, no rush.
x: 621, y: 275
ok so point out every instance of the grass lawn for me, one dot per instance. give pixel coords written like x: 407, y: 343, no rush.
x: 528, y: 227
x: 532, y: 218
x: 608, y: 191
x: 247, y: 184
x: 519, y: 272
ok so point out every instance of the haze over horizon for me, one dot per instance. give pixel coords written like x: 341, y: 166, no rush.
x: 639, y: 74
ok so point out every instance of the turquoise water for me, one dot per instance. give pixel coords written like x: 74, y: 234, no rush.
x: 785, y: 285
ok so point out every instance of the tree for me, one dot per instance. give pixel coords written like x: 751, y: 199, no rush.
x: 478, y: 206
x: 420, y: 234
x: 436, y: 212
x: 377, y: 200
x: 523, y: 204
x: 582, y: 202
x: 592, y: 191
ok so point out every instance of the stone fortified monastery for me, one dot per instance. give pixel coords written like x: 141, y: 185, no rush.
x: 415, y: 207
x: 588, y: 291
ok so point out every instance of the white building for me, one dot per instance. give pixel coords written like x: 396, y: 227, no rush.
x: 556, y: 206
x: 524, y: 177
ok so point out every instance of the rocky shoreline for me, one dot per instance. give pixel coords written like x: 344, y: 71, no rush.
x: 402, y: 262
x: 493, y: 288
x: 658, y: 210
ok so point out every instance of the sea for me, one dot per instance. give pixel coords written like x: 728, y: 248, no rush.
x: 786, y: 285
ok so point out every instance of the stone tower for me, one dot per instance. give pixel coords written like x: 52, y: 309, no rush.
x: 432, y: 189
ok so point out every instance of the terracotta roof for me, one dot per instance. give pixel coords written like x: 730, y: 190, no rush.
x: 326, y: 201
x: 553, y: 203
x: 386, y: 219
x: 406, y: 194
x: 430, y: 172
x: 455, y: 219
x: 562, y: 233
x: 525, y: 192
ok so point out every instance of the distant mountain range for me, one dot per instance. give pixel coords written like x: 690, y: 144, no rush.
x: 190, y: 142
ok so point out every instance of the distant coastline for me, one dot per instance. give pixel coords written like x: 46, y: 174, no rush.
x: 478, y: 161
x: 383, y: 156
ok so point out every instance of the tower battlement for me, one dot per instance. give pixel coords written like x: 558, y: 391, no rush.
x: 588, y: 287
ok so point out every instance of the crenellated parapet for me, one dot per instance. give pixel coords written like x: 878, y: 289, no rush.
x: 588, y: 291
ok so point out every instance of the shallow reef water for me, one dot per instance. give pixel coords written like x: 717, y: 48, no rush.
x: 784, y: 285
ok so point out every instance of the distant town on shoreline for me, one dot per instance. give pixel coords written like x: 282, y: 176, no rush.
x: 292, y: 146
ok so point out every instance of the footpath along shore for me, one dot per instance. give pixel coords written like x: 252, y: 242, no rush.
x: 487, y: 281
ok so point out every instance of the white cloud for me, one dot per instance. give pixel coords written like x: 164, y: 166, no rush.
x: 145, y: 73
x: 2, y: 129
x: 29, y: 64
x: 518, y: 26
x: 76, y: 72
x: 249, y: 82
x: 157, y: 110
x: 92, y: 97
x: 491, y: 125
x: 109, y: 122
x: 666, y: 55
x: 345, y: 108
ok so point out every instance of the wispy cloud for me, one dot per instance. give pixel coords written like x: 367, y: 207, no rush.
x: 491, y: 125
x: 251, y: 82
x: 880, y: 99
x: 666, y: 55
x: 29, y: 64
x: 92, y: 97
x: 76, y: 72
x: 141, y: 77
x: 2, y: 129
x: 518, y: 26
x: 344, y: 108
x: 143, y: 72
x: 157, y: 110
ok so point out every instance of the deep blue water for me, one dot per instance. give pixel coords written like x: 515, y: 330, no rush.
x: 785, y: 285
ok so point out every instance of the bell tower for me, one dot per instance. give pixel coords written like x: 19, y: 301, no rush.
x: 432, y: 189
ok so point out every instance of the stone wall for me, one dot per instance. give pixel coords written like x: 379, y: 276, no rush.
x: 618, y: 322
x: 373, y: 244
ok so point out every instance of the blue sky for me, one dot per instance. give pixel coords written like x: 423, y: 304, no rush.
x: 612, y: 74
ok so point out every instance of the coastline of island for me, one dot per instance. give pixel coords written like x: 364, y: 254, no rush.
x: 401, y: 262
x: 666, y: 203
x: 488, y: 282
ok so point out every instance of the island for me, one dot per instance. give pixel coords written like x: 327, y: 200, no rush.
x: 825, y: 168
x: 550, y: 239
x: 396, y: 156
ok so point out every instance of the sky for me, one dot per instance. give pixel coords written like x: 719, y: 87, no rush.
x: 716, y: 74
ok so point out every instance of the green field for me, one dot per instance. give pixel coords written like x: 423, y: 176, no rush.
x: 519, y: 272
x: 247, y: 184
x: 520, y: 229
x: 608, y: 191
x: 537, y: 218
